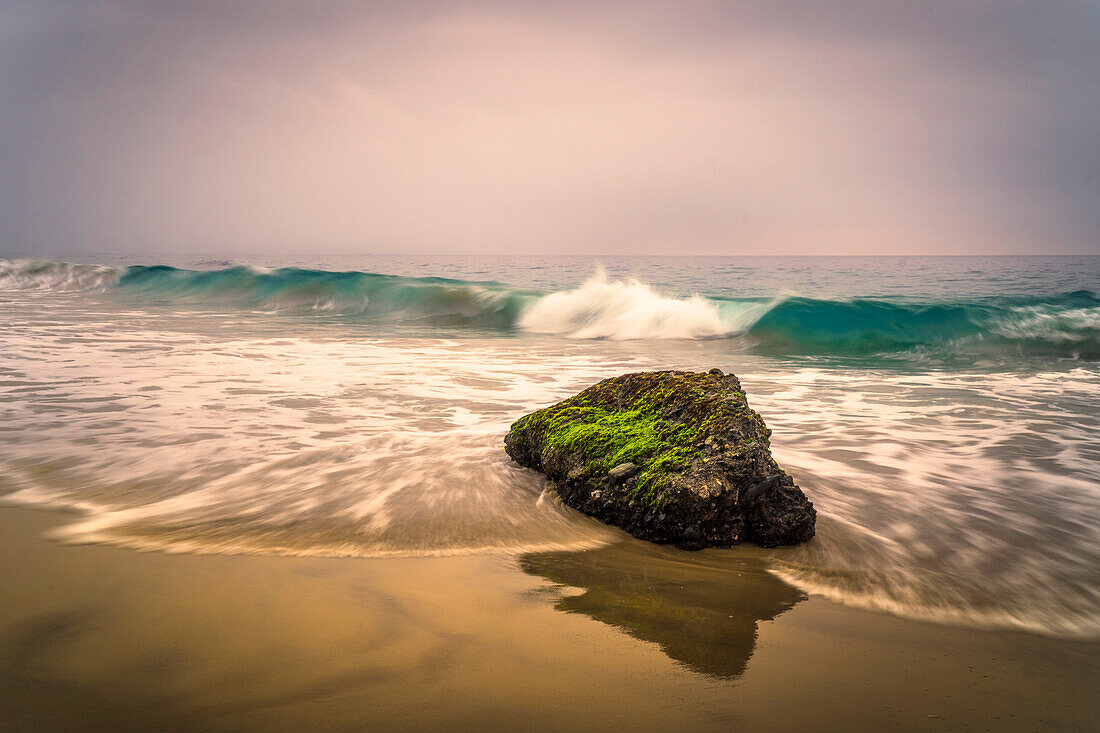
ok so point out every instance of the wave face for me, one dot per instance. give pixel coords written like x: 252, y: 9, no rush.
x: 297, y: 290
x: 1060, y: 325
x: 1063, y: 325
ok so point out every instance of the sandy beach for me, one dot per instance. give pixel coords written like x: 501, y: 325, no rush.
x: 627, y: 636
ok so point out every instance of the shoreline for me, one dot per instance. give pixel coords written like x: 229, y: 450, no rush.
x: 95, y: 637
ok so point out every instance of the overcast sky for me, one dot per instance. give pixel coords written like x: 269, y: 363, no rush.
x: 620, y: 126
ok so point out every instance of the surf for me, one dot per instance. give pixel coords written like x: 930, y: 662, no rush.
x: 1058, y: 325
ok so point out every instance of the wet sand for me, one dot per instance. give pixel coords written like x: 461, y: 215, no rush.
x: 630, y: 636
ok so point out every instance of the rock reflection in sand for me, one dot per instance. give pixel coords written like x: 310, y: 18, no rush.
x: 702, y: 609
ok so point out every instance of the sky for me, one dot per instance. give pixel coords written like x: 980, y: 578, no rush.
x: 614, y: 127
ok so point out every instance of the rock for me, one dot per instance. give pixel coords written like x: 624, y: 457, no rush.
x: 691, y: 539
x: 621, y: 473
x: 671, y: 457
x: 716, y: 372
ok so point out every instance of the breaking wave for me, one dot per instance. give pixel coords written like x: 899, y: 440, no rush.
x: 624, y: 309
x: 56, y: 276
x: 1063, y: 325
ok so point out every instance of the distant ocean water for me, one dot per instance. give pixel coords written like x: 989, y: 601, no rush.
x: 942, y: 413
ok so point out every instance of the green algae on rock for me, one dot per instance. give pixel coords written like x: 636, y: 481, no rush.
x: 675, y: 457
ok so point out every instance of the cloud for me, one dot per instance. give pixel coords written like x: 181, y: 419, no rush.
x: 698, y: 127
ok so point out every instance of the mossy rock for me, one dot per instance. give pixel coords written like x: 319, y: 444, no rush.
x: 671, y: 456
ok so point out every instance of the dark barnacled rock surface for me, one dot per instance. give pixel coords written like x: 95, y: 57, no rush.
x: 672, y: 457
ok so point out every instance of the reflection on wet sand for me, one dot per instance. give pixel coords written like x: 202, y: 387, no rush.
x: 701, y: 608
x: 97, y: 638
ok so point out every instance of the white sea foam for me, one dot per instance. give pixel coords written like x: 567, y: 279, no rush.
x: 58, y: 276
x: 281, y: 446
x: 623, y: 310
x: 958, y: 498
x: 1050, y: 323
x: 925, y: 597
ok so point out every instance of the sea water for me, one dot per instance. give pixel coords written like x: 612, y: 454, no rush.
x: 943, y: 414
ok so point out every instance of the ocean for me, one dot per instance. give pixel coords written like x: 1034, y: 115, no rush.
x: 942, y: 413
